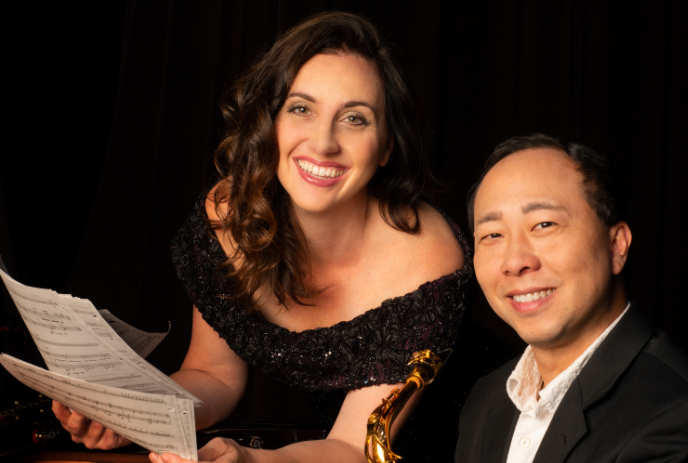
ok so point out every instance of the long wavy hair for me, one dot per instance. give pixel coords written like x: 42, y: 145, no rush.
x: 270, y: 246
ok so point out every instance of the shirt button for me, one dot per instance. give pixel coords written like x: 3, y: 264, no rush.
x: 525, y: 442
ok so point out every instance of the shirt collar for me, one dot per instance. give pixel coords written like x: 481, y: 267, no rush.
x: 524, y: 383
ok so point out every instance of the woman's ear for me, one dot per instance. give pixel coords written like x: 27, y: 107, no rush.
x: 385, y: 157
x: 620, y: 238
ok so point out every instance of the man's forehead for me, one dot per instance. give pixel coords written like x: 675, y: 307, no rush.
x: 526, y: 208
x: 528, y: 181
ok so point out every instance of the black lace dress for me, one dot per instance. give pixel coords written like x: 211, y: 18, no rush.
x: 371, y: 349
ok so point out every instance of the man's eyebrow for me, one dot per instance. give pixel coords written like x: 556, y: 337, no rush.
x: 538, y: 206
x: 305, y: 96
x: 489, y: 217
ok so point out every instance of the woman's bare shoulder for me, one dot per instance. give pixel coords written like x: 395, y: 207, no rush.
x: 434, y: 250
x: 427, y: 255
x: 437, y: 241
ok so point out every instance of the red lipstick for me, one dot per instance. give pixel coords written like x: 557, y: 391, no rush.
x: 317, y: 180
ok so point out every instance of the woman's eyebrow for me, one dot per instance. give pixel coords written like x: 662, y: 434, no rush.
x: 305, y: 96
x: 351, y: 104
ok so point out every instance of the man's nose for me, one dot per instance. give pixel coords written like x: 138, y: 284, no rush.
x: 519, y: 258
x: 323, y: 138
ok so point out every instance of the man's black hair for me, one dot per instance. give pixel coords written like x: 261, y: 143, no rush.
x: 600, y: 184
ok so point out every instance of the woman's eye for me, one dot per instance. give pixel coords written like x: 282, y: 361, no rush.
x: 355, y: 119
x: 491, y: 236
x: 300, y: 110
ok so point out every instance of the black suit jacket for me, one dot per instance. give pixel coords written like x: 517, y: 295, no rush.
x: 629, y: 404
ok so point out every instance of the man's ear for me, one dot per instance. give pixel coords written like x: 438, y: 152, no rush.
x: 385, y: 157
x: 620, y: 238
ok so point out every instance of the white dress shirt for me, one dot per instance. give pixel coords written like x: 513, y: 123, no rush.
x: 523, y: 387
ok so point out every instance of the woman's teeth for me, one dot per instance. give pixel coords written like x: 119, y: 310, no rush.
x: 325, y: 172
x: 532, y: 296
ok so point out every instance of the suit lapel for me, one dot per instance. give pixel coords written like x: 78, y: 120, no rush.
x: 613, y: 357
x: 566, y: 429
x: 499, y: 428
x: 599, y: 375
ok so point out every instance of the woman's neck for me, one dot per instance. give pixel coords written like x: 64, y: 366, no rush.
x: 339, y: 234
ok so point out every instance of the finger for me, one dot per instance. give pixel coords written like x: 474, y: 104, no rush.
x: 93, y: 436
x: 78, y: 422
x: 110, y: 440
x: 61, y: 412
x: 217, y: 448
x: 172, y: 458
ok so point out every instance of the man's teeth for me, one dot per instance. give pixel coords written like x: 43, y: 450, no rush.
x: 532, y: 296
x: 326, y: 172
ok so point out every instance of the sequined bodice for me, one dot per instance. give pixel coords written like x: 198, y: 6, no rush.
x: 370, y: 349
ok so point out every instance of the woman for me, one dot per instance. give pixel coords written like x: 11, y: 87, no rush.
x: 314, y: 258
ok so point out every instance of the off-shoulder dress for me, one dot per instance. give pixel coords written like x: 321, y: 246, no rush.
x: 370, y: 349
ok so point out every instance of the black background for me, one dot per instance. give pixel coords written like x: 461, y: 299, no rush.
x: 111, y: 119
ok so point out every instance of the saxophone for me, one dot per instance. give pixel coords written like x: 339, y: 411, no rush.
x: 378, y: 447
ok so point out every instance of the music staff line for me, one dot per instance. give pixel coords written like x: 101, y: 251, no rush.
x: 106, y: 418
x: 25, y: 297
x: 64, y: 344
x: 100, y: 371
x: 126, y: 429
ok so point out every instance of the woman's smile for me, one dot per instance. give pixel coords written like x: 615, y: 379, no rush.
x: 331, y: 132
x: 320, y: 170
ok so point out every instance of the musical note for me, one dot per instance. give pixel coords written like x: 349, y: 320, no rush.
x: 99, y: 374
x: 66, y: 327
x: 157, y: 422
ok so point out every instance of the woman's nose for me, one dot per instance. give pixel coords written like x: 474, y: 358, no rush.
x: 519, y: 258
x: 323, y: 139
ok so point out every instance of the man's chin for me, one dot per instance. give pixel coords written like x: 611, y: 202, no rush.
x: 542, y: 339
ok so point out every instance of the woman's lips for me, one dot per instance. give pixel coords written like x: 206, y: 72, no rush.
x: 320, y: 173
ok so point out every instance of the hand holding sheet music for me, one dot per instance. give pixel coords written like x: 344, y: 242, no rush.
x: 158, y: 422
x: 95, y: 372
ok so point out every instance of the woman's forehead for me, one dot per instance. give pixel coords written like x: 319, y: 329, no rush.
x: 339, y: 74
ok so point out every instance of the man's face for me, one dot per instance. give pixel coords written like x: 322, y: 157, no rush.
x: 543, y: 258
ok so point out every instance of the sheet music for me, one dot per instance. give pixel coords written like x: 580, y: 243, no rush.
x: 77, y: 342
x: 141, y: 342
x: 158, y: 422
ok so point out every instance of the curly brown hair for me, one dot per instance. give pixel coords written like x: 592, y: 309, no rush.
x: 269, y: 243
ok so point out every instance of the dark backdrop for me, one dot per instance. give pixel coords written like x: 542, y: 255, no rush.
x: 113, y: 120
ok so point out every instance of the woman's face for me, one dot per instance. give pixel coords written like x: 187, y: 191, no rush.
x: 331, y: 132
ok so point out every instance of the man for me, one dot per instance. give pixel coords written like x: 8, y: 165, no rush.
x: 596, y: 383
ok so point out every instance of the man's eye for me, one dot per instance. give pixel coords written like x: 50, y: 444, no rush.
x: 491, y: 236
x: 544, y: 225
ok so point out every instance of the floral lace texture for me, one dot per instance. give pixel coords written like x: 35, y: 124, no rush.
x: 370, y: 349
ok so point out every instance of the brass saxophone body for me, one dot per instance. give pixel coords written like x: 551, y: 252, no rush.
x: 378, y: 446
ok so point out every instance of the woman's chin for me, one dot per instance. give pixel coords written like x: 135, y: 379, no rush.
x: 314, y: 207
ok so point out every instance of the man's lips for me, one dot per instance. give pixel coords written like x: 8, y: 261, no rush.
x: 530, y: 294
x: 530, y: 300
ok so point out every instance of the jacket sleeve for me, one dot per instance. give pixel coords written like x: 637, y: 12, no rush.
x: 664, y: 439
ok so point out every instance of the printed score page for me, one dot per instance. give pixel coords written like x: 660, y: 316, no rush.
x: 77, y: 342
x: 140, y: 341
x: 158, y: 422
